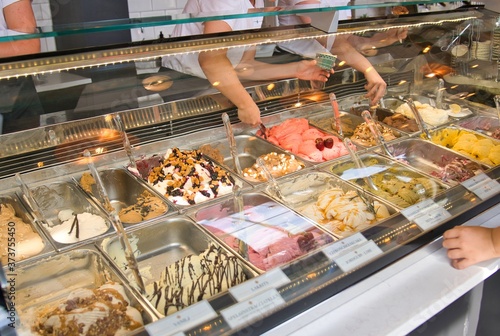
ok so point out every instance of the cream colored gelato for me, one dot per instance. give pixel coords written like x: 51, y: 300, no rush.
x: 277, y: 164
x: 76, y: 227
x: 17, y: 237
x: 102, y: 311
x: 431, y: 115
x: 344, y: 213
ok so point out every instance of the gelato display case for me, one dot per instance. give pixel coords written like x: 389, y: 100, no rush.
x: 139, y: 201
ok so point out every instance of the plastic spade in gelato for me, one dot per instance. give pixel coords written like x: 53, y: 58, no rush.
x: 336, y: 114
x: 375, y: 131
x: 232, y: 142
x: 418, y: 118
x: 359, y: 164
x: 115, y: 220
x: 126, y: 142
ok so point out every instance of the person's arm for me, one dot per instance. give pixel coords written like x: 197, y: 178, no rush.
x: 221, y: 74
x: 469, y: 245
x: 19, y: 17
x: 346, y: 52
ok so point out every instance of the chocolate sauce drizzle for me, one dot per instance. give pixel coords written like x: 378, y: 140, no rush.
x: 195, y: 278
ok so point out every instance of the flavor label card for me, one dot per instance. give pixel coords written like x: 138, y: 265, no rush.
x: 426, y: 214
x: 183, y: 320
x: 247, y: 311
x: 482, y: 185
x: 358, y: 256
x: 334, y: 250
x: 272, y: 279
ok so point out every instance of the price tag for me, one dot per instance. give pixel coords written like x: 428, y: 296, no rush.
x: 482, y: 185
x: 272, y: 279
x: 245, y: 312
x: 332, y: 251
x: 182, y: 320
x: 426, y: 214
x: 358, y: 256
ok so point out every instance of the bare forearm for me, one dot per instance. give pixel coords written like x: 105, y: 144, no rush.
x: 495, y: 238
x: 8, y: 49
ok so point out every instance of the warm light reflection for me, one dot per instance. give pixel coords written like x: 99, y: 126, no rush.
x: 40, y: 164
x: 342, y: 63
x: 471, y: 94
x: 270, y: 87
x: 100, y: 150
x: 369, y: 69
x: 430, y: 75
x: 454, y: 87
x: 108, y: 118
x: 311, y: 275
x: 426, y: 49
x: 475, y: 66
x: 298, y: 104
x: 217, y: 83
x: 207, y: 328
x: 402, y: 82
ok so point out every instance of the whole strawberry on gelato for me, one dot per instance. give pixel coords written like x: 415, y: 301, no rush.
x: 305, y: 141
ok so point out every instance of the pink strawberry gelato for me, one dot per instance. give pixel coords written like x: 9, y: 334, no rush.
x: 298, y: 137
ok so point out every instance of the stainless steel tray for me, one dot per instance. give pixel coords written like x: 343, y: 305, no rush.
x: 148, y: 163
x: 55, y: 196
x: 383, y: 172
x: 45, y: 283
x: 348, y: 122
x: 486, y: 125
x: 301, y: 194
x: 272, y: 235
x: 444, y: 136
x: 124, y: 190
x: 24, y: 214
x: 249, y: 148
x: 158, y: 245
x: 430, y: 158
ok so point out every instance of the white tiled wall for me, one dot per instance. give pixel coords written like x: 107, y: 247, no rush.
x: 137, y: 9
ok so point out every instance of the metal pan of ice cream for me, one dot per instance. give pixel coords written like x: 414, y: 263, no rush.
x: 261, y: 230
x: 249, y: 148
x: 487, y: 125
x: 17, y: 223
x: 186, y: 177
x: 335, y: 205
x: 449, y: 166
x: 310, y: 143
x: 396, y: 183
x: 472, y: 144
x: 70, y: 217
x: 397, y: 113
x: 77, y: 285
x: 167, y: 248
x: 354, y: 127
x: 134, y: 201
